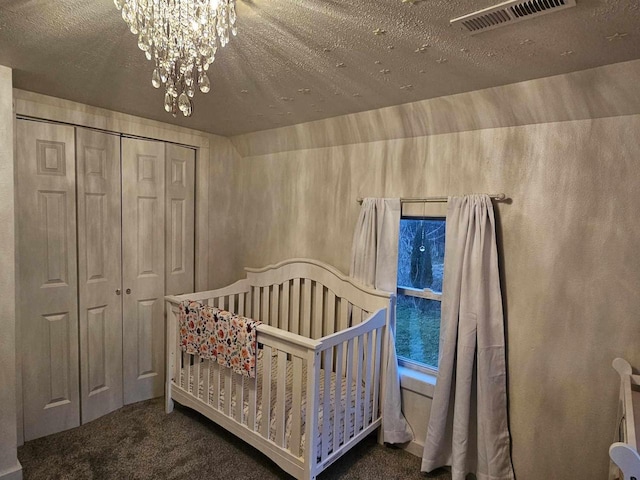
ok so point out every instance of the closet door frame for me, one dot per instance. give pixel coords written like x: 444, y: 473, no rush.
x: 38, y: 107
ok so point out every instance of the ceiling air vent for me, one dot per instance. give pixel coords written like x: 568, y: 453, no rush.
x: 509, y: 12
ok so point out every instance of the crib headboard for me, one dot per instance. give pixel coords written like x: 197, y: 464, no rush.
x: 310, y: 298
x: 301, y: 296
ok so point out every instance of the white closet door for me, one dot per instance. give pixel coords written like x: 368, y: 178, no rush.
x: 180, y: 207
x: 143, y: 235
x: 99, y: 272
x: 47, y: 282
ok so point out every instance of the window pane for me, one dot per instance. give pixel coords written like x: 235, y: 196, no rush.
x: 418, y: 329
x: 421, y: 253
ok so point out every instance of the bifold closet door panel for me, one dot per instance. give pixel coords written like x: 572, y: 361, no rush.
x: 180, y: 217
x: 99, y: 272
x: 47, y: 276
x: 143, y: 272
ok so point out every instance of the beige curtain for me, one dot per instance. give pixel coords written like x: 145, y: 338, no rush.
x: 468, y: 427
x: 374, y: 262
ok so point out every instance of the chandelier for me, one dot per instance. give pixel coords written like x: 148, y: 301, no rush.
x: 181, y: 37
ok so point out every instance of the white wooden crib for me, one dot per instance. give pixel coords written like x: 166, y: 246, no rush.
x: 321, y: 333
x: 624, y: 452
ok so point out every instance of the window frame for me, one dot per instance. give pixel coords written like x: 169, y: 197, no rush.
x: 425, y: 293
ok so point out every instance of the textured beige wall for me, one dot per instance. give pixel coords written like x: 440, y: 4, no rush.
x: 569, y: 236
x: 596, y: 93
x: 9, y: 466
x: 225, y: 213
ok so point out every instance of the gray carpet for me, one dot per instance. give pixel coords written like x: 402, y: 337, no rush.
x: 141, y: 442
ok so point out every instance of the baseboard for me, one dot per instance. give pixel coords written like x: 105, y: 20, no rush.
x: 414, y: 448
x: 14, y: 473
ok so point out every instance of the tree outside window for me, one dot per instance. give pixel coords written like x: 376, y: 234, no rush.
x: 420, y: 272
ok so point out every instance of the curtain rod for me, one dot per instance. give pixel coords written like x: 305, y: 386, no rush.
x: 493, y: 196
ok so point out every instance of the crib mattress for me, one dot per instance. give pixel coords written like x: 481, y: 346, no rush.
x: 355, y: 416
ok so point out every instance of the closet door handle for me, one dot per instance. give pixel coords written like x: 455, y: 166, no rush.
x: 128, y: 291
x: 118, y: 292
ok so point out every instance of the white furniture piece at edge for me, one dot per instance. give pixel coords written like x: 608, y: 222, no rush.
x: 315, y: 320
x: 625, y: 452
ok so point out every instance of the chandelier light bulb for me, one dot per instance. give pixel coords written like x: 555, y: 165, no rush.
x: 181, y: 37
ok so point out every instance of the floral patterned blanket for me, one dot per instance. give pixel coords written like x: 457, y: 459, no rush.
x: 216, y: 334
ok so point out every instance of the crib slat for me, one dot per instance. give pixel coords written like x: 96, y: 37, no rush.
x: 343, y: 320
x: 241, y: 300
x: 368, y: 358
x: 256, y: 303
x: 376, y: 374
x: 186, y: 371
x: 253, y: 404
x: 265, y: 314
x: 294, y: 319
x: 342, y: 309
x: 326, y: 402
x: 330, y: 314
x: 353, y: 322
x: 284, y: 320
x: 356, y: 315
x: 206, y: 372
x: 275, y: 306
x: 318, y: 314
x: 348, y: 396
x: 281, y: 398
x: 359, y: 359
x: 266, y: 391
x: 239, y: 381
x: 296, y: 408
x: 231, y: 303
x: 248, y: 303
x: 196, y: 376
x: 215, y: 384
x: 337, y: 403
x: 227, y: 391
x: 305, y: 321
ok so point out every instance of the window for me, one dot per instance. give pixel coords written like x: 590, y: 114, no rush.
x: 420, y: 269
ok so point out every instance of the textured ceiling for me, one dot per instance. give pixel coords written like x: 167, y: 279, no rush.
x: 298, y: 61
